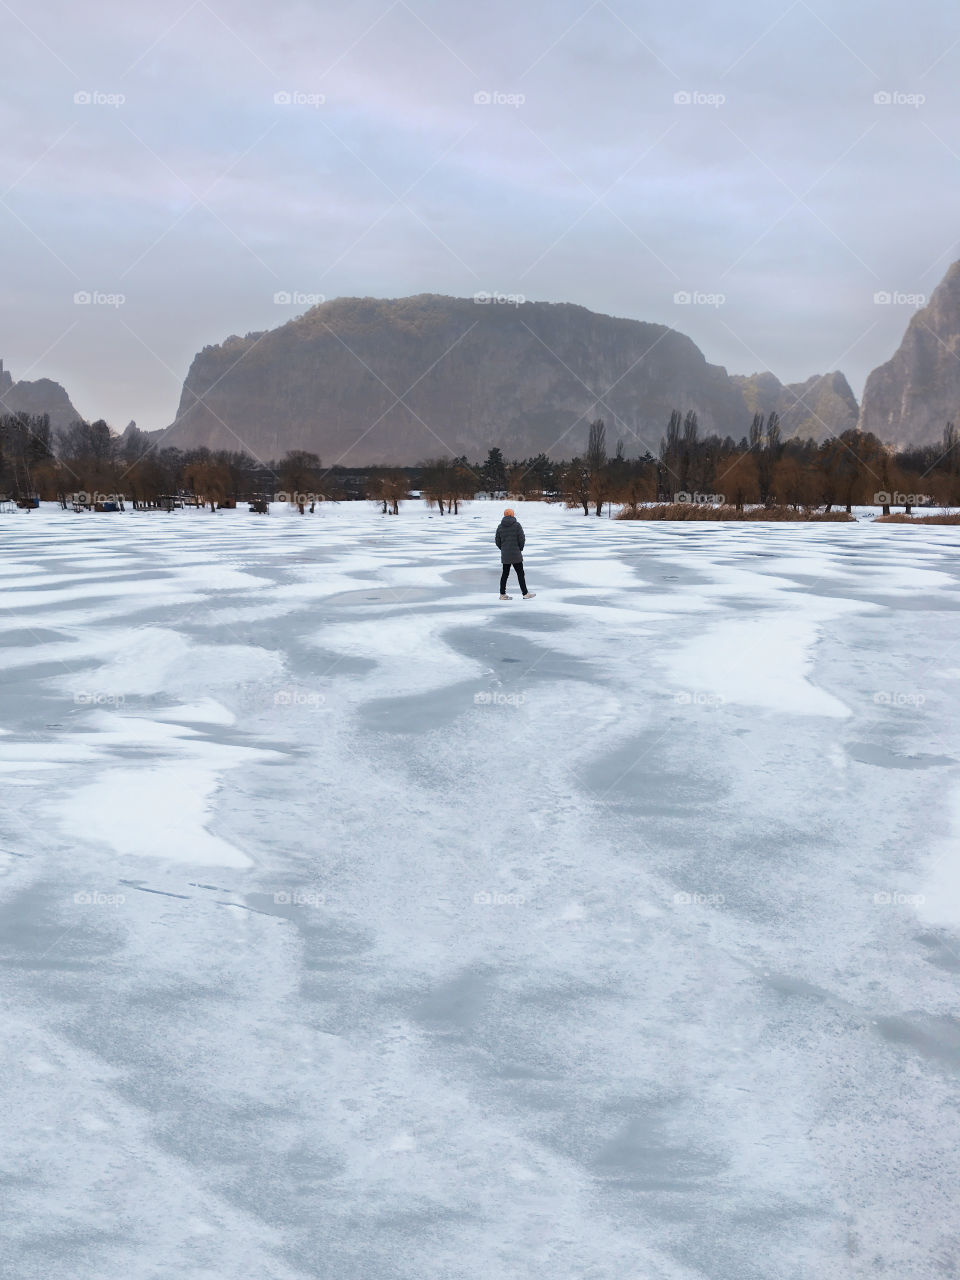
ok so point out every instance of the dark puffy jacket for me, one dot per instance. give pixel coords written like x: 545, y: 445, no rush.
x: 510, y: 540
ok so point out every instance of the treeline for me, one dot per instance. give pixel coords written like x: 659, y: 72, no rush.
x: 89, y: 460
x: 762, y: 468
x: 851, y: 469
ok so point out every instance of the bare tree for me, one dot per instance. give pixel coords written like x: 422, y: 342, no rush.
x: 208, y: 479
x: 576, y: 485
x: 739, y: 478
x: 597, y: 446
x: 668, y: 469
x: 300, y: 474
x: 447, y: 482
x: 793, y: 484
x: 599, y: 484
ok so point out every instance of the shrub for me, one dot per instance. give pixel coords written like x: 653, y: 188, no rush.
x: 945, y: 518
x: 702, y: 511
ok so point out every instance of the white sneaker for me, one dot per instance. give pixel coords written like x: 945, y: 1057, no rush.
x: 506, y: 597
x: 529, y: 595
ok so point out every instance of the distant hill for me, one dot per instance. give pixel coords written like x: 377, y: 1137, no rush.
x: 42, y: 396
x: 365, y: 380
x: 910, y: 399
x: 823, y: 405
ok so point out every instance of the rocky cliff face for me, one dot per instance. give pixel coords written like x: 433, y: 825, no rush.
x: 911, y: 398
x: 41, y: 396
x: 824, y: 405
x: 362, y: 380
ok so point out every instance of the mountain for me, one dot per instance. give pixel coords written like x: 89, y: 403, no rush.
x: 42, y: 396
x: 910, y: 399
x: 823, y: 405
x: 364, y: 380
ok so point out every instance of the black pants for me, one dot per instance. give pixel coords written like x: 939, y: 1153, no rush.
x: 506, y: 574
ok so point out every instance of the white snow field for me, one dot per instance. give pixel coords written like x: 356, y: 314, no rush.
x: 356, y: 925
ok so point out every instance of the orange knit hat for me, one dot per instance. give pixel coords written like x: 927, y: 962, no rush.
x: 508, y: 511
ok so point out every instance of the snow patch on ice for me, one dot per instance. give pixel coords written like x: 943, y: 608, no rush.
x: 757, y: 662
x: 157, y: 812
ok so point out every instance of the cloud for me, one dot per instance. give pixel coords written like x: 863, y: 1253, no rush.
x: 200, y: 196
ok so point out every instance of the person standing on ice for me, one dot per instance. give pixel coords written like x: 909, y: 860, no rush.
x: 510, y: 540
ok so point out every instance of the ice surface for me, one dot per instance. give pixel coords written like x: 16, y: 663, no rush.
x: 356, y: 925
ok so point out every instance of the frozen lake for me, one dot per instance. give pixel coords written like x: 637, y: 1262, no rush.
x: 356, y: 925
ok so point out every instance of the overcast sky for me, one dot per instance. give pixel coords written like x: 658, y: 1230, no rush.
x: 185, y: 187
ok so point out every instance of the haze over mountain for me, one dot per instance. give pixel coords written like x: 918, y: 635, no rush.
x: 911, y: 398
x: 41, y: 396
x: 368, y: 380
x: 823, y: 405
x: 802, y: 187
x: 365, y: 380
